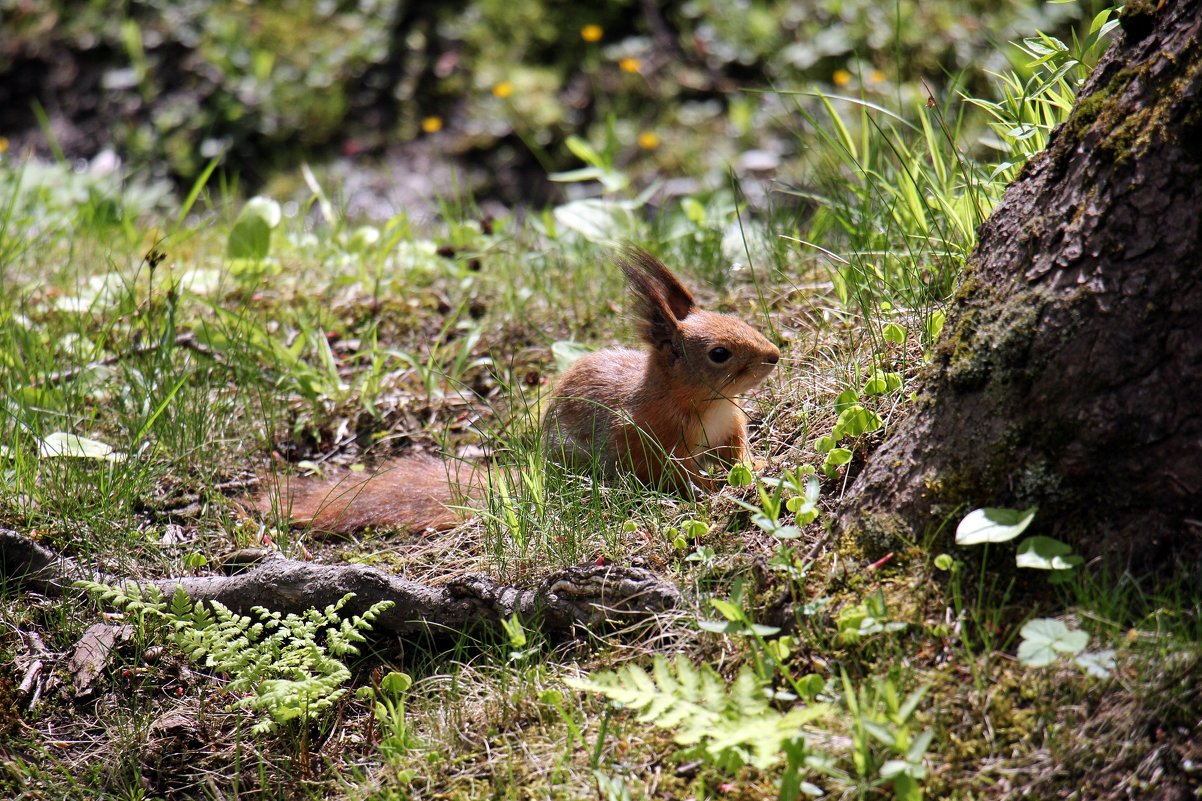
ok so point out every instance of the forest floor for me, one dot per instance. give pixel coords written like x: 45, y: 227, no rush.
x: 152, y: 380
x: 164, y: 356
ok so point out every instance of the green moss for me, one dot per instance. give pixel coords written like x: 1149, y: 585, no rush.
x: 1085, y: 114
x: 1125, y: 131
x: 991, y: 347
x: 874, y: 535
x: 1138, y: 17
x: 953, y: 490
x: 951, y: 347
x: 958, y: 349
x: 1018, y: 704
x: 1130, y: 137
x: 1099, y: 111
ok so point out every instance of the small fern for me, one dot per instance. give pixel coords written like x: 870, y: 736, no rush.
x: 286, y: 666
x: 728, y: 726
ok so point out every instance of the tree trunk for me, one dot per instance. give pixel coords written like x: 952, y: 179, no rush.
x: 1069, y: 376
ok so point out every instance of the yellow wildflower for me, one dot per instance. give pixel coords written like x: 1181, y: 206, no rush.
x: 591, y: 33
x: 841, y: 77
x: 876, y: 76
x: 503, y: 89
x: 3, y: 145
x: 432, y: 124
x: 629, y: 64
x: 648, y: 140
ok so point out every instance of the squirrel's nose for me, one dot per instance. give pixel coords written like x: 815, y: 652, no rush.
x: 773, y: 358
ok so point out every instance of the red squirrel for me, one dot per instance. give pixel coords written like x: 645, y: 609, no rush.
x: 663, y: 414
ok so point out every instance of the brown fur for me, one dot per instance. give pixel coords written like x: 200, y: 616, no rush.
x: 663, y: 414
x: 415, y: 493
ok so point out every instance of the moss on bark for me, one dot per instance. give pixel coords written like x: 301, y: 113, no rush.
x: 1071, y: 365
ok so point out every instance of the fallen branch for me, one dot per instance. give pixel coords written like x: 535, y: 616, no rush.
x: 589, y: 595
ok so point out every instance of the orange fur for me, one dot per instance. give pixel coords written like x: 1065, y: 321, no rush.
x: 663, y: 414
x: 415, y: 493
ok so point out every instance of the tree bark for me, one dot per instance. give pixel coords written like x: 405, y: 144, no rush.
x: 1069, y: 376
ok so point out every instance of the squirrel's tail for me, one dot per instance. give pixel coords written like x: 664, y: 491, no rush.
x: 415, y: 493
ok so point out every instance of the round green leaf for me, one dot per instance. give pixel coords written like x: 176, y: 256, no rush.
x: 1099, y: 664
x: 810, y: 685
x: 251, y: 235
x: 838, y: 456
x: 933, y: 325
x: 800, y: 504
x: 993, y: 525
x: 740, y: 475
x: 395, y: 683
x: 250, y: 239
x: 804, y: 513
x: 846, y: 399
x: 882, y: 382
x: 876, y: 386
x: 1045, y: 638
x: 894, y: 333
x: 856, y: 420
x: 1045, y: 553
x: 195, y: 560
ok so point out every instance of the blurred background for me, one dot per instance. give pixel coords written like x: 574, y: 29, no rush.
x: 399, y: 104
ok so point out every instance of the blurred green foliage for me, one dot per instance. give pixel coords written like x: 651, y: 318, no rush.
x: 176, y: 82
x: 181, y: 82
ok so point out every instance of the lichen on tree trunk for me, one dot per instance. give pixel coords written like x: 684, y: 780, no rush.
x: 1070, y: 372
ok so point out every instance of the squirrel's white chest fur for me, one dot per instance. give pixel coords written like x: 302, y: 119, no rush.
x: 719, y: 424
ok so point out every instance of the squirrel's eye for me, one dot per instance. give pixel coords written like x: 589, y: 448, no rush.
x: 719, y: 355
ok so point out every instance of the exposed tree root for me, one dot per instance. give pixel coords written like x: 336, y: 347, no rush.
x: 589, y: 595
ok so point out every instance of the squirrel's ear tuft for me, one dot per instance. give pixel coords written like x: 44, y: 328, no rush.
x: 660, y: 299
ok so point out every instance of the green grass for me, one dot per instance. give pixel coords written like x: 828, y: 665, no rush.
x: 349, y: 344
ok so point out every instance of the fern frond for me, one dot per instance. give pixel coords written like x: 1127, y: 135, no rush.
x: 278, y: 657
x: 731, y: 725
